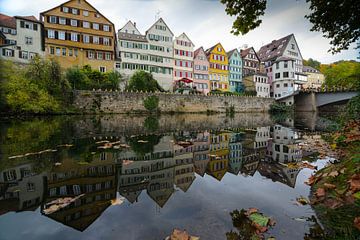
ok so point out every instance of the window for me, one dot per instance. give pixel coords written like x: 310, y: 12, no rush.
x: 106, y: 28
x: 64, y: 51
x: 277, y: 75
x: 65, y: 9
x: 73, y: 22
x: 96, y: 26
x: 99, y: 55
x: 285, y: 64
x: 86, y: 24
x: 74, y: 11
x: 75, y: 52
x: 52, y: 19
x: 52, y: 192
x: 277, y: 85
x: 117, y: 65
x: 70, y: 52
x: 96, y: 40
x: 293, y: 46
x: 85, y: 13
x: 108, y: 56
x: 63, y: 190
x: 86, y: 38
x: 29, y: 40
x: 106, y: 41
x: 285, y: 84
x: 74, y: 37
x: 277, y: 65
x: 285, y: 74
x: 52, y: 50
x: 91, y: 55
x: 58, y: 51
x: 61, y: 35
x: 62, y: 21
x: 51, y: 34
x: 102, y: 69
x: 97, y: 15
x: 76, y: 189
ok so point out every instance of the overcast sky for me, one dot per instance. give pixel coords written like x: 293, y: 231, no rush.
x: 205, y: 22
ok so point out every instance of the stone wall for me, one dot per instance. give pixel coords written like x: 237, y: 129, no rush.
x: 127, y: 102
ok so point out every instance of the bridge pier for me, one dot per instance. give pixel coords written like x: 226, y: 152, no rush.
x: 305, y: 102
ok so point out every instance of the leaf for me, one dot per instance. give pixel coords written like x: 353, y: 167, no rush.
x: 357, y: 223
x: 259, y: 219
x: 333, y: 203
x: 334, y: 174
x: 320, y: 192
x: 355, y: 183
x: 357, y: 195
x: 302, y: 200
x: 329, y: 186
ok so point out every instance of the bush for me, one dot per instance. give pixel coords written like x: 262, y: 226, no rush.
x: 353, y: 108
x: 280, y: 108
x: 143, y: 81
x: 151, y: 103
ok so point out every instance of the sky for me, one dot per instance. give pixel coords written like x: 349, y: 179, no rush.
x: 205, y: 22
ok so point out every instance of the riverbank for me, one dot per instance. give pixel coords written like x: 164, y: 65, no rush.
x: 335, y: 192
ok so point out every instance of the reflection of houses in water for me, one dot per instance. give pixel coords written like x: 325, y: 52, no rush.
x: 219, y: 154
x: 250, y: 160
x: 235, y: 153
x: 279, y: 173
x: 96, y: 180
x: 201, y: 152
x: 155, y: 174
x: 184, y: 168
x: 261, y: 140
x: 21, y: 188
x: 283, y: 147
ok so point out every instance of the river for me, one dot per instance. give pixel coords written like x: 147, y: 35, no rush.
x: 139, y: 177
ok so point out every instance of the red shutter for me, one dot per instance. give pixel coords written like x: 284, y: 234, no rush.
x: 103, y: 55
x: 110, y: 41
x: 87, y: 54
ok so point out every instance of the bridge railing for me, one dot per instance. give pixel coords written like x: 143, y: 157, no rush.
x: 328, y: 89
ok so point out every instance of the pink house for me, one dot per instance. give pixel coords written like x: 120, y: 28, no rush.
x: 201, y: 71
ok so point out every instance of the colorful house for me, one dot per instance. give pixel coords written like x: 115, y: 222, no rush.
x: 78, y: 34
x: 183, y: 57
x: 201, y: 71
x: 219, y: 155
x: 235, y: 70
x: 219, y: 69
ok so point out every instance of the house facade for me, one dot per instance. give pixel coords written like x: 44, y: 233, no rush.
x: 22, y: 38
x: 219, y: 68
x: 132, y: 50
x: 160, y: 40
x: 283, y: 64
x: 235, y: 71
x: 315, y: 79
x: 183, y: 57
x: 201, y: 71
x: 251, y: 61
x: 77, y: 34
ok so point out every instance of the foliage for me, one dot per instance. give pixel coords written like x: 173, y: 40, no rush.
x: 342, y: 29
x: 342, y: 74
x: 312, y: 63
x: 143, y: 81
x: 353, y: 108
x: 151, y: 103
x: 151, y: 124
x: 87, y: 78
x: 280, y: 108
x: 142, y: 145
x: 23, y: 92
x: 247, y: 14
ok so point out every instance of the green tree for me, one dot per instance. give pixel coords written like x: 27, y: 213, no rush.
x: 338, y: 20
x: 344, y: 74
x: 151, y: 103
x: 312, y: 63
x: 143, y: 81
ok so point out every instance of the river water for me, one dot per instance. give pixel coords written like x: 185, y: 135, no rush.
x: 139, y: 177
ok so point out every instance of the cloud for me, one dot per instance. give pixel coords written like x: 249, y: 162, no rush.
x: 205, y: 22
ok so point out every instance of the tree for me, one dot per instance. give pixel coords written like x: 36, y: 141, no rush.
x: 342, y: 74
x: 338, y: 20
x: 143, y: 81
x: 312, y: 63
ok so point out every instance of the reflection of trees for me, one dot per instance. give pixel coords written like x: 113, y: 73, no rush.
x: 143, y: 144
x: 151, y: 124
x: 245, y: 229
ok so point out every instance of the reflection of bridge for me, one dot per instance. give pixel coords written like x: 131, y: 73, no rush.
x: 310, y: 101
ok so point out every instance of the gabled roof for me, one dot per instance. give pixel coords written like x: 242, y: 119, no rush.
x: 7, y: 21
x: 160, y: 19
x: 28, y: 18
x: 42, y: 13
x: 245, y: 52
x: 132, y: 37
x: 129, y: 22
x: 310, y: 69
x: 275, y: 49
x: 197, y: 51
x: 230, y: 53
x: 187, y: 38
x: 209, y: 50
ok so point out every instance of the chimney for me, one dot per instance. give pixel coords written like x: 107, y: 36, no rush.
x: 134, y: 24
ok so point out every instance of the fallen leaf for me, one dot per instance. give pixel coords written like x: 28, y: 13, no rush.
x: 334, y: 174
x: 329, y: 186
x: 302, y: 200
x: 320, y: 192
x: 333, y: 203
x: 355, y: 183
x: 357, y: 223
x: 251, y: 211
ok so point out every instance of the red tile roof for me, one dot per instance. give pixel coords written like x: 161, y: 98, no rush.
x: 7, y: 21
x: 273, y: 50
x: 29, y: 18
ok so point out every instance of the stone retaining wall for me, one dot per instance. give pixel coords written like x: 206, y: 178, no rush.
x: 130, y: 102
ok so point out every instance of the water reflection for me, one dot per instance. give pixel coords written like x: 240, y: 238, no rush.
x: 156, y: 164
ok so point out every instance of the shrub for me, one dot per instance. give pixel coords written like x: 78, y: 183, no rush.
x: 353, y: 108
x: 280, y: 108
x: 151, y: 103
x: 143, y: 81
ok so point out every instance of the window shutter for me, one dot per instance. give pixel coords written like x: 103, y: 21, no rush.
x: 56, y: 35
x: 67, y: 36
x: 91, y: 25
x: 91, y: 39
x: 101, y: 27
x: 80, y: 23
x: 109, y: 28
x: 78, y: 37
x: 3, y: 53
x: 48, y: 18
x: 110, y: 42
x: 103, y: 55
x: 35, y: 27
x: 57, y: 20
x: 101, y: 41
x: 67, y: 21
x: 87, y: 54
x: 46, y: 33
x: 19, y: 54
x: 22, y: 24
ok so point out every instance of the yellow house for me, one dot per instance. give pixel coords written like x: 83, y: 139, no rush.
x: 219, y: 155
x: 78, y: 34
x: 219, y: 68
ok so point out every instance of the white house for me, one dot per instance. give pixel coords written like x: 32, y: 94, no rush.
x: 283, y: 64
x: 160, y: 40
x: 23, y: 38
x: 183, y: 57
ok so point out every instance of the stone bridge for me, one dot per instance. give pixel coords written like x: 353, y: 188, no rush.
x: 310, y: 101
